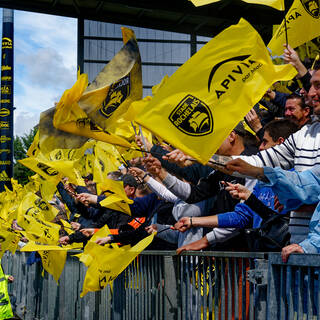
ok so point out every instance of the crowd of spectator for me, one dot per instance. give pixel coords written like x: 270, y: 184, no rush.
x: 264, y: 176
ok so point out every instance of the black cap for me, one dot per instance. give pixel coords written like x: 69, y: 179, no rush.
x: 130, y: 180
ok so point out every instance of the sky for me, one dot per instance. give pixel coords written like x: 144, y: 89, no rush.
x: 45, y: 58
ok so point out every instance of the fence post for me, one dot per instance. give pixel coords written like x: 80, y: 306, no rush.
x: 259, y: 277
x: 170, y: 288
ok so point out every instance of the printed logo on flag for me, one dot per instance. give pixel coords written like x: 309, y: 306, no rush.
x: 192, y: 116
x: 312, y: 7
x: 83, y: 122
x: 41, y: 204
x: 58, y: 155
x: 242, y: 70
x: 47, y: 170
x: 118, y: 92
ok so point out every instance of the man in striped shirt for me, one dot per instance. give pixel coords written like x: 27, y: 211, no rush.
x: 300, y: 151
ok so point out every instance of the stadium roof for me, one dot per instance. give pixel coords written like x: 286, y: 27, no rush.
x: 170, y: 15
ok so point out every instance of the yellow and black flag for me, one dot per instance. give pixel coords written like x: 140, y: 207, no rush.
x: 51, y: 138
x: 302, y: 24
x: 69, y: 117
x: 277, y: 4
x: 118, y: 84
x: 206, y: 97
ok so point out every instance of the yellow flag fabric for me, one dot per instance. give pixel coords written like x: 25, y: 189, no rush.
x: 116, y: 197
x: 104, y: 162
x: 69, y: 117
x: 53, y: 171
x: 277, y: 4
x: 51, y: 138
x: 39, y: 230
x: 206, y: 97
x: 303, y: 24
x: 53, y: 262
x: 34, y: 149
x: 9, y: 239
x: 116, y: 86
x: 112, y: 261
x: 35, y: 207
x: 34, y: 246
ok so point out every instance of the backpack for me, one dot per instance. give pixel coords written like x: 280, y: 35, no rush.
x: 272, y: 235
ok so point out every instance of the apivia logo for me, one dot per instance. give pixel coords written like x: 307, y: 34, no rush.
x: 118, y: 92
x: 312, y: 7
x: 192, y: 116
x: 6, y: 43
x: 244, y: 66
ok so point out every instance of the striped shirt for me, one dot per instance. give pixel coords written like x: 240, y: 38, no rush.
x: 300, y: 151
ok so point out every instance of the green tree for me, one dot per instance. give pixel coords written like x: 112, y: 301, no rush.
x: 21, y: 145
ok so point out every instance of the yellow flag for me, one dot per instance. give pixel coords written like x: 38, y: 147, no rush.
x: 104, y: 163
x: 53, y: 262
x: 116, y: 197
x: 277, y: 4
x: 51, y: 138
x: 35, y: 207
x: 9, y: 239
x: 206, y: 97
x: 69, y: 117
x: 35, y: 246
x: 34, y: 149
x: 112, y: 261
x: 116, y: 86
x: 303, y: 24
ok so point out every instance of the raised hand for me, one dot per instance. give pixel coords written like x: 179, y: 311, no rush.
x: 87, y: 198
x: 244, y: 168
x: 183, y: 224
x: 178, y: 157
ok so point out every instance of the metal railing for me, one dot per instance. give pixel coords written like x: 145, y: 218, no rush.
x: 162, y: 285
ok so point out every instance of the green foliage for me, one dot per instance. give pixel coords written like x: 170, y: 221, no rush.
x: 21, y: 145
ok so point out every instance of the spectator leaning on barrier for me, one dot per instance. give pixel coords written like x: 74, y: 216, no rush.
x: 209, y: 186
x: 300, y: 151
x: 243, y: 215
x: 293, y: 188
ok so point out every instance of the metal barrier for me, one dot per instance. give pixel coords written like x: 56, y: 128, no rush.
x: 162, y: 285
x: 293, y: 287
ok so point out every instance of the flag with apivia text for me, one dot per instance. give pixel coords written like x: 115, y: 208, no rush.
x: 207, y: 96
x: 302, y: 23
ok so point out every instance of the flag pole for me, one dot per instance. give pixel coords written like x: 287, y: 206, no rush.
x: 285, y: 23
